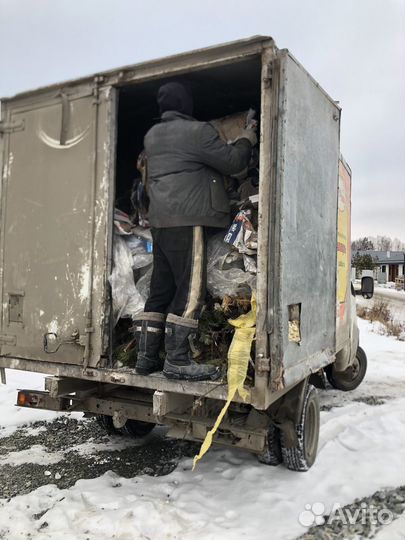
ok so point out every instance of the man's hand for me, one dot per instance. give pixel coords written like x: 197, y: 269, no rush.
x: 249, y: 134
x: 251, y: 122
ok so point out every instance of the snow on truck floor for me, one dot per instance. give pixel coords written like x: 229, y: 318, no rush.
x: 231, y: 495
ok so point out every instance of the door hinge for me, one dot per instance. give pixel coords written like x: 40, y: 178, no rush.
x: 65, y: 119
x: 267, y: 75
x: 263, y: 365
x: 8, y: 340
x: 11, y: 127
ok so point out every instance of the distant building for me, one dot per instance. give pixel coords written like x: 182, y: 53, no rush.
x: 389, y: 264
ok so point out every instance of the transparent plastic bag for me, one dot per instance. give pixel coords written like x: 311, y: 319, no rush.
x: 143, y: 284
x: 250, y: 264
x: 141, y: 250
x: 225, y: 273
x: 127, y: 301
x: 140, y: 260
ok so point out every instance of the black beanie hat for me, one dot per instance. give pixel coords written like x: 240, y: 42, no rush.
x: 174, y: 96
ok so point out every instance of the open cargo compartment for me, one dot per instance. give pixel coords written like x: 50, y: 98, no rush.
x: 226, y: 91
x: 297, y: 213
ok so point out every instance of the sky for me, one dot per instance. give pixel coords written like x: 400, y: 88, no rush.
x: 354, y: 48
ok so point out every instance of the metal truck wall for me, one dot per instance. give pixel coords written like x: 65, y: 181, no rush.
x: 55, y: 185
x: 302, y: 277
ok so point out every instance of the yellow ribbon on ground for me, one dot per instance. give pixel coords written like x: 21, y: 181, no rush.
x: 238, y: 361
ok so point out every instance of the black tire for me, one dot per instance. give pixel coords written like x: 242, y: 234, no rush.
x: 137, y: 429
x: 272, y: 453
x: 352, y: 376
x: 132, y: 428
x: 302, y: 456
x: 106, y: 423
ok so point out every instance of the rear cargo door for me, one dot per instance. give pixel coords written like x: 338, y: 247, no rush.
x: 56, y: 184
x: 302, y: 278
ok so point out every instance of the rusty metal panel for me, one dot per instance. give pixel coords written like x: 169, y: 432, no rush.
x: 302, y: 277
x: 54, y: 219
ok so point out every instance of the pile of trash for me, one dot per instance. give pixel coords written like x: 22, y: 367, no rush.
x: 232, y: 259
x: 231, y: 262
x: 231, y: 277
x: 231, y: 266
x: 215, y: 333
x: 132, y: 267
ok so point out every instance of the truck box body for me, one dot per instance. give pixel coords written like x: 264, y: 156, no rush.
x: 67, y: 153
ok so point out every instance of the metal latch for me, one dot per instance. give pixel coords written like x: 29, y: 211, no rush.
x: 57, y: 343
x: 11, y: 127
x: 8, y: 340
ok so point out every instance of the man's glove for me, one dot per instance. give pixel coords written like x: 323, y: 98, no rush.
x: 249, y: 134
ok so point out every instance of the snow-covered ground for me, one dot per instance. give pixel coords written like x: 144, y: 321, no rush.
x: 230, y: 495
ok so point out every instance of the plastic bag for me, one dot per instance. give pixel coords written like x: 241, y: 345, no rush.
x: 143, y: 284
x: 225, y: 273
x: 127, y: 301
x: 141, y: 232
x: 140, y: 260
x: 122, y: 222
x: 241, y: 233
x: 250, y: 264
x: 141, y: 250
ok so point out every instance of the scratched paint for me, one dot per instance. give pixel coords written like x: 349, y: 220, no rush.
x: 8, y: 166
x: 53, y: 327
x: 84, y: 281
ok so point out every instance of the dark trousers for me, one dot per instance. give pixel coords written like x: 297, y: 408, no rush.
x: 178, y: 283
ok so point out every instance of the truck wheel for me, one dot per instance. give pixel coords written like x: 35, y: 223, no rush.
x: 136, y: 429
x: 302, y: 456
x: 272, y: 453
x: 132, y: 428
x: 350, y: 378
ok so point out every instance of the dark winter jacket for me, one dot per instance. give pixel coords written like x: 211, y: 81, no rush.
x: 186, y: 164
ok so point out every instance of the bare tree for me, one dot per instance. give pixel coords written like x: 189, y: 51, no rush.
x: 398, y: 245
x: 362, y: 244
x: 383, y: 243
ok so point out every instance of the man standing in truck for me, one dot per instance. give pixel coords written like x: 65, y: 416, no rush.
x: 186, y: 161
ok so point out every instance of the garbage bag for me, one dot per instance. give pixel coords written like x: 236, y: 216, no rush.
x: 250, y: 264
x: 143, y: 284
x: 241, y: 233
x: 122, y: 222
x: 127, y: 301
x: 141, y: 250
x: 225, y: 270
x: 140, y: 260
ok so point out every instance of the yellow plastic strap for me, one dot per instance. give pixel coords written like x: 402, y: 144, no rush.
x: 238, y: 361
